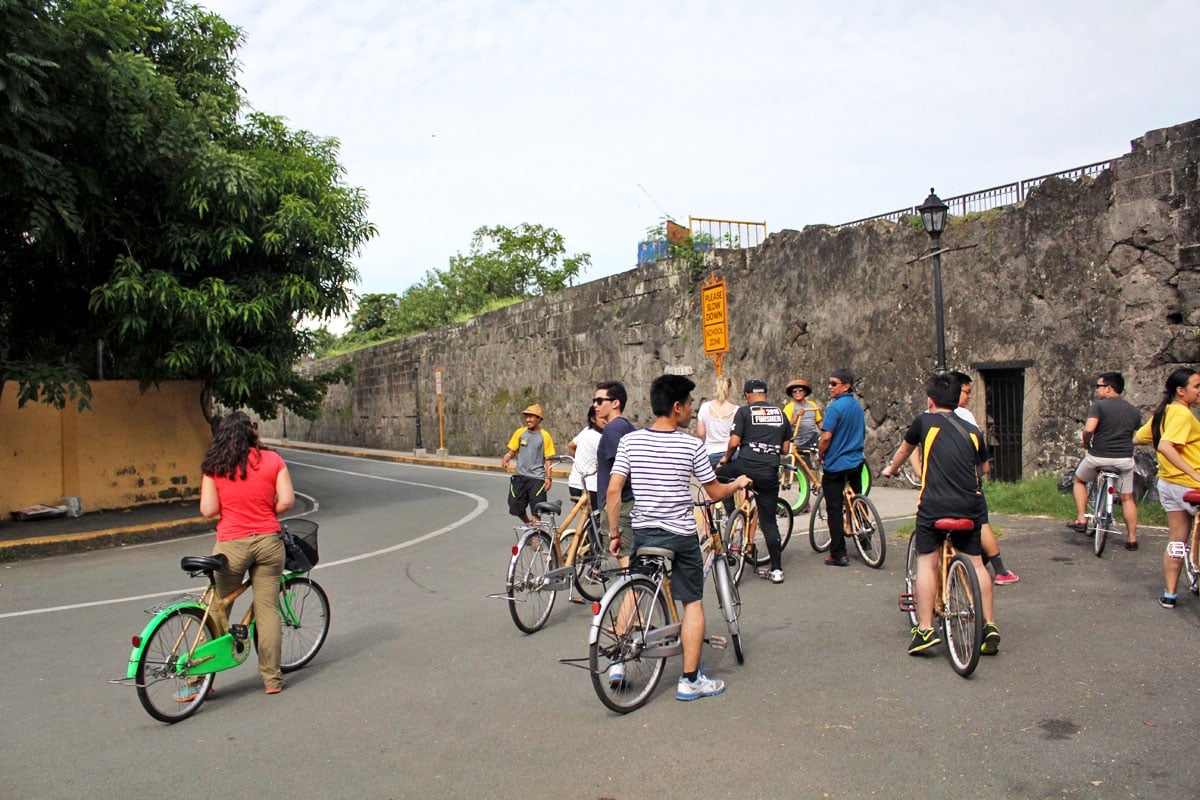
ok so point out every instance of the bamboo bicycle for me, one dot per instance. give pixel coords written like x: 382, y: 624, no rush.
x: 534, y: 573
x: 957, y: 604
x: 636, y: 625
x: 738, y: 531
x: 190, y: 639
x: 800, y: 482
x: 1189, y: 549
x: 862, y: 524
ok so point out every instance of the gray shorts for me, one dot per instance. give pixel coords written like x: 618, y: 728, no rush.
x: 1091, y: 464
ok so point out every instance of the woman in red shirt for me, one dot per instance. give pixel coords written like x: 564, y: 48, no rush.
x: 248, y: 485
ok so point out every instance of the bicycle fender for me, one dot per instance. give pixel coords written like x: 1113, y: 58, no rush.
x: 136, y: 655
x: 594, y: 626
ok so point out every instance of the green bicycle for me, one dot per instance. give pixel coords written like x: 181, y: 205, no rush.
x: 190, y: 638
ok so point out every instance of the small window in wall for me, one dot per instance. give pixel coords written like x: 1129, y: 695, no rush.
x: 1005, y: 390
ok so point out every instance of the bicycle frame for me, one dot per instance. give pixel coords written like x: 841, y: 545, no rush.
x: 222, y: 652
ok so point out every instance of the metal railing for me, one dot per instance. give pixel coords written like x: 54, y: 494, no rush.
x: 995, y: 197
x: 728, y: 233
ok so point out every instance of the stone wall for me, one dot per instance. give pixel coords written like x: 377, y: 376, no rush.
x: 1084, y: 276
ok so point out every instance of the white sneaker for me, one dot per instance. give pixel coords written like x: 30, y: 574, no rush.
x: 776, y: 576
x: 703, y: 686
x: 615, y: 673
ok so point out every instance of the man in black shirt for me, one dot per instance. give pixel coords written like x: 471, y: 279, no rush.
x: 953, y: 454
x: 759, y: 437
x: 1108, y: 439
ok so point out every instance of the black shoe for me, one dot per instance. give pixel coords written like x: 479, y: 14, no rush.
x: 991, y: 639
x: 1131, y: 545
x: 1166, y: 602
x: 844, y: 561
x: 1079, y: 527
x: 923, y: 640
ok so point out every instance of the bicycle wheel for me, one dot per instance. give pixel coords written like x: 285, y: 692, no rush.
x: 869, y: 536
x: 1092, y: 506
x: 730, y: 600
x: 818, y: 537
x: 530, y: 606
x: 1103, y: 517
x: 798, y: 492
x: 786, y: 521
x: 631, y: 612
x: 734, y: 536
x: 591, y: 561
x: 1191, y: 564
x: 304, y: 609
x: 164, y: 688
x: 910, y: 575
x: 963, y: 621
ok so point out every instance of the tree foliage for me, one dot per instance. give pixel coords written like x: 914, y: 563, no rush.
x: 149, y: 232
x: 503, y: 264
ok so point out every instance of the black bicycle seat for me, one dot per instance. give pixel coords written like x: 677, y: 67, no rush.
x: 206, y: 564
x: 548, y: 508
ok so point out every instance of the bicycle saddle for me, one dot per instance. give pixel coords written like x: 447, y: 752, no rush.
x: 952, y: 524
x: 206, y: 564
x: 1192, y: 497
x: 548, y: 508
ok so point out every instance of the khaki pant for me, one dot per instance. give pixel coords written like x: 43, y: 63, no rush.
x: 263, y: 555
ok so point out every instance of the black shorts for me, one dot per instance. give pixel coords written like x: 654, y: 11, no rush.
x: 525, y: 492
x: 930, y: 538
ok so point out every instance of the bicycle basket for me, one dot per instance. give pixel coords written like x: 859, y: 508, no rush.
x: 300, y: 542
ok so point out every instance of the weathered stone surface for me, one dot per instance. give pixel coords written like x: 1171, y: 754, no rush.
x: 1084, y: 276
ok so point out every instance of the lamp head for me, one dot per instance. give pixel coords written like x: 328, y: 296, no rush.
x: 933, y: 214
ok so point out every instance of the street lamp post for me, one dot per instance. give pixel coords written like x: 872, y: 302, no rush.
x: 933, y: 216
x: 416, y: 365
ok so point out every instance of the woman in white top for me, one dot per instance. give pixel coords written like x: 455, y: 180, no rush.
x: 583, y: 448
x: 714, y: 421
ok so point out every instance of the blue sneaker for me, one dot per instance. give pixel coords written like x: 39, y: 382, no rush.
x: 187, y: 694
x: 703, y: 686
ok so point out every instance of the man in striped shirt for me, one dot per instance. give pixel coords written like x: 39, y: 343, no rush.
x: 659, y: 463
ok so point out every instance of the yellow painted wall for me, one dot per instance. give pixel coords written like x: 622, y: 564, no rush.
x: 132, y: 448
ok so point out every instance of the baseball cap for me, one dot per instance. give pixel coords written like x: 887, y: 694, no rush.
x: 754, y: 385
x: 843, y: 375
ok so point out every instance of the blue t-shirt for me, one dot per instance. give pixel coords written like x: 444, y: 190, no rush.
x: 847, y: 422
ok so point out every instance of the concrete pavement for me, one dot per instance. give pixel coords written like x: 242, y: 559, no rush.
x: 113, y: 528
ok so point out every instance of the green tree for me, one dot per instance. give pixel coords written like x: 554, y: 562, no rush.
x: 503, y: 264
x: 146, y: 231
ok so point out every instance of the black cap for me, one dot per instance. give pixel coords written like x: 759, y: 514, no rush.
x: 754, y: 385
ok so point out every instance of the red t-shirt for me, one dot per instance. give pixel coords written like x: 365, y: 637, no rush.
x: 248, y: 506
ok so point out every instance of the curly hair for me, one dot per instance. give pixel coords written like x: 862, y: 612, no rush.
x: 229, y: 451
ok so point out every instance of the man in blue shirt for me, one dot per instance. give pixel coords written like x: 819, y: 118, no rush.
x: 843, y: 434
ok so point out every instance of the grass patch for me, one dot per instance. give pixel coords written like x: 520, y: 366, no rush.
x: 1039, y: 497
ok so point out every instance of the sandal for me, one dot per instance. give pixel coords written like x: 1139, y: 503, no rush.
x: 1081, y: 527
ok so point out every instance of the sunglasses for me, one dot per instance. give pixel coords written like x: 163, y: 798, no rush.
x: 599, y: 401
x: 1101, y: 385
x: 835, y: 383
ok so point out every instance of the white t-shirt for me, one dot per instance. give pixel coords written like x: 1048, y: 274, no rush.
x: 583, y: 473
x: 660, y: 466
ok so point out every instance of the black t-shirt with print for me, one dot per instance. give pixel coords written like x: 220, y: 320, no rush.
x: 763, y: 430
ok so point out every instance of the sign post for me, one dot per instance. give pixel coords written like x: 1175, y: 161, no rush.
x: 437, y: 389
x: 715, y: 320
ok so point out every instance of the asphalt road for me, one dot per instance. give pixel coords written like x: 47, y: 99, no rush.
x: 426, y: 689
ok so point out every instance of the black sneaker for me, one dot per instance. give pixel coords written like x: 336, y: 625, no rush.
x: 1166, y: 602
x: 923, y: 640
x: 991, y: 640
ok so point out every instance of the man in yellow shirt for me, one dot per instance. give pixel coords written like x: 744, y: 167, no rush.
x: 533, y: 448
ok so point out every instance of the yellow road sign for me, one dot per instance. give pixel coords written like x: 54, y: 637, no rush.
x: 715, y: 320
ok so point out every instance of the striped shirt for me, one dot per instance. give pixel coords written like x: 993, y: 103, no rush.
x: 660, y: 465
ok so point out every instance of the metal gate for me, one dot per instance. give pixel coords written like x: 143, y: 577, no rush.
x: 1005, y: 420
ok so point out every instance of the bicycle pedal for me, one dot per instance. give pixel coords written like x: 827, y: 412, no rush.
x: 716, y: 642
x: 240, y: 632
x: 908, y: 602
x: 1176, y: 549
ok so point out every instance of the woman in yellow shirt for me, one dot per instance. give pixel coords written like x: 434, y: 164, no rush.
x: 1175, y: 433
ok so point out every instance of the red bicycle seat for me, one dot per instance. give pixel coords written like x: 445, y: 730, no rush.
x: 952, y: 524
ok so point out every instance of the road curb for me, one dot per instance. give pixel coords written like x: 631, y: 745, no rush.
x: 62, y: 544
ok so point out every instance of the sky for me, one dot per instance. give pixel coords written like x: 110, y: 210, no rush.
x: 599, y: 119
